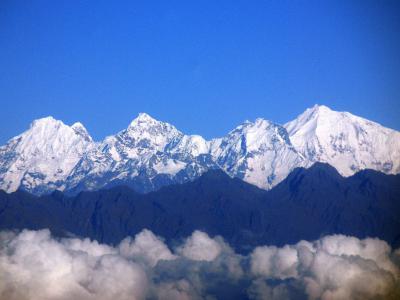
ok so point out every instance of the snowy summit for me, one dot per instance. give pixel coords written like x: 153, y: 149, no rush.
x: 149, y: 154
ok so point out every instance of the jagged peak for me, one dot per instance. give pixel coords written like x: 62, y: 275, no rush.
x: 145, y: 123
x: 49, y: 120
x: 78, y: 125
x: 257, y: 124
x: 262, y: 121
x: 82, y: 131
x: 257, y: 134
x: 321, y: 107
x: 143, y: 118
x: 316, y: 111
x: 49, y: 126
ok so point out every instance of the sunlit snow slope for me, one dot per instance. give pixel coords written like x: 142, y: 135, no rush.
x: 149, y: 154
x: 347, y: 142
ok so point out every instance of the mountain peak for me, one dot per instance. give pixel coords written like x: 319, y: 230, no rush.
x: 260, y: 127
x: 311, y: 118
x: 52, y: 155
x: 143, y: 118
x: 50, y: 126
x: 77, y: 125
x: 82, y: 131
x: 348, y: 142
x: 146, y: 127
x: 46, y: 121
x: 320, y: 107
x: 259, y: 152
x: 261, y: 122
x: 316, y: 111
x: 41, y: 158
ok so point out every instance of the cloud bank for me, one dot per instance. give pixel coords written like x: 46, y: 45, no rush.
x: 34, y: 265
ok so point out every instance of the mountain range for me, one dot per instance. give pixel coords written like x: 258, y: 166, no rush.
x: 307, y: 204
x: 150, y: 154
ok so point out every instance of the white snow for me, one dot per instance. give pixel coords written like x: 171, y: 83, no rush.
x: 347, y: 142
x: 169, y: 167
x: 194, y: 145
x: 144, y: 145
x: 51, y: 155
x: 259, y: 152
x: 43, y: 155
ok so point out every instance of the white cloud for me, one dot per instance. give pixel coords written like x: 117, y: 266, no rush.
x: 178, y: 290
x: 260, y: 290
x: 145, y: 246
x: 334, y: 267
x: 34, y: 265
x: 273, y: 262
x: 201, y: 247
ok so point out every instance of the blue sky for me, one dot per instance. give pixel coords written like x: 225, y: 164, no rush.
x: 204, y: 66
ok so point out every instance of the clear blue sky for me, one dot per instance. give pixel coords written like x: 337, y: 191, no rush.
x: 204, y: 66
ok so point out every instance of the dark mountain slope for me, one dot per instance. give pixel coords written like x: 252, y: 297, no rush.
x: 319, y: 201
x: 309, y: 203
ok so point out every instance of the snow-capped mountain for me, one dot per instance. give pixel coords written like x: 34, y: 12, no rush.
x: 41, y: 158
x: 149, y: 154
x: 345, y: 141
x: 258, y: 152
